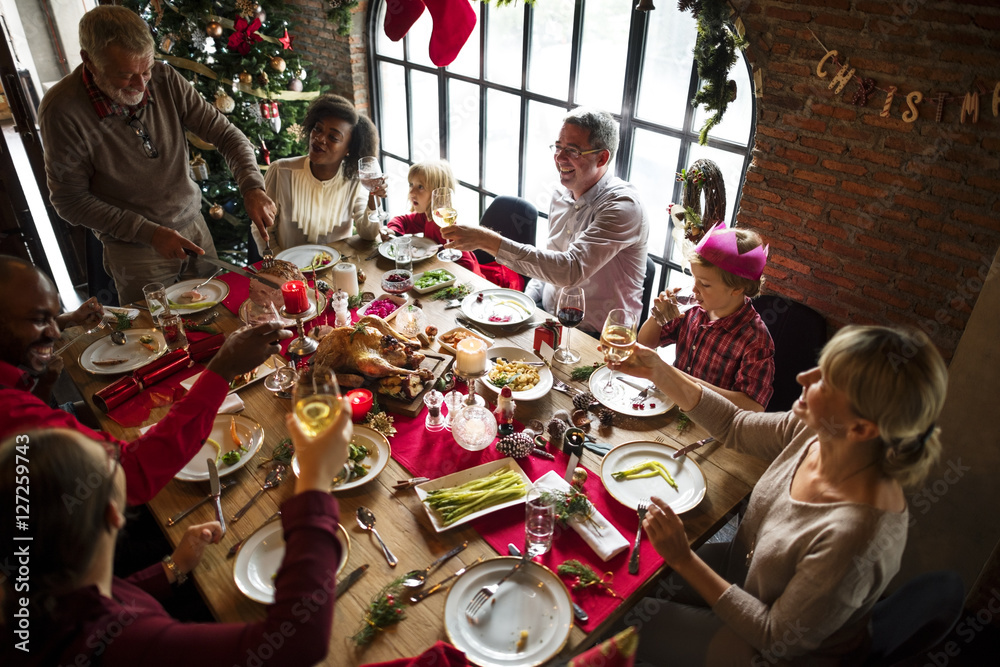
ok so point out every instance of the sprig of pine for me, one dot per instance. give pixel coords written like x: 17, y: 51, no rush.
x: 571, y: 504
x: 122, y: 322
x: 683, y: 422
x: 583, y: 373
x: 354, y: 301
x: 584, y: 577
x: 453, y: 292
x: 384, y: 610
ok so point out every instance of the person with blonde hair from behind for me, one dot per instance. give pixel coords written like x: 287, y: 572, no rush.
x: 721, y: 340
x: 424, y: 178
x: 826, y: 524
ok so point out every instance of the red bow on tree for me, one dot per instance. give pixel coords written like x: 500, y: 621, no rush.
x: 245, y: 35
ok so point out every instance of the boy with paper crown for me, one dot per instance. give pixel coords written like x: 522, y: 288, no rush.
x: 721, y: 342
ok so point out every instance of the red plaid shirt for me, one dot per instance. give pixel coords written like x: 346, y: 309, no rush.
x: 104, y: 105
x: 734, y: 352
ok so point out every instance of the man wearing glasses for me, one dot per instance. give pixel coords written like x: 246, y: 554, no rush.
x: 116, y: 155
x: 597, y: 227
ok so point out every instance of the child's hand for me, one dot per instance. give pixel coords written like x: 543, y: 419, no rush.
x: 665, y: 306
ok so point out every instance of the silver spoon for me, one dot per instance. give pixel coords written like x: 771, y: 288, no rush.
x: 418, y: 578
x: 118, y: 337
x: 272, y: 480
x: 367, y: 521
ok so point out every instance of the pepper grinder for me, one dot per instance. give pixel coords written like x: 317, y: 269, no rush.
x: 433, y: 400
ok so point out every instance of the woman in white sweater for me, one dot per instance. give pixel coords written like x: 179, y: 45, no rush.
x: 826, y: 525
x: 319, y: 197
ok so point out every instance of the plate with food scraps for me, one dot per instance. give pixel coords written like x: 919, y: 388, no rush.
x: 221, y: 443
x: 381, y: 304
x: 526, y: 622
x: 246, y: 379
x: 498, y: 307
x: 102, y: 357
x: 619, y: 395
x: 449, y: 340
x: 429, y: 281
x: 369, y: 454
x: 690, y: 480
x: 183, y: 298
x: 469, y: 475
x: 310, y: 257
x: 252, y: 313
x: 260, y: 556
x: 420, y: 249
x: 526, y: 382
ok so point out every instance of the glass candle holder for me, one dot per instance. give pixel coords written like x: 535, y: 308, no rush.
x: 474, y: 428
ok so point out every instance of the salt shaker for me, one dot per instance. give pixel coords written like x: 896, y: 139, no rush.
x: 453, y: 400
x: 433, y: 400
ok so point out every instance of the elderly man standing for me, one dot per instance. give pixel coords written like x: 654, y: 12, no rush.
x: 597, y: 227
x: 116, y: 155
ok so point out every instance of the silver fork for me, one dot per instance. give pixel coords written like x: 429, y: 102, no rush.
x: 486, y: 592
x: 633, y: 563
x: 559, y: 385
x: 268, y: 255
x: 98, y: 327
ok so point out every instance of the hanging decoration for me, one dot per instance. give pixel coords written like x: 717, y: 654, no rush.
x: 297, y: 131
x: 265, y: 154
x: 286, y: 41
x: 278, y: 64
x: 453, y: 20
x: 338, y: 13
x: 246, y: 77
x: 199, y: 169
x: 244, y: 35
x: 247, y: 8
x: 167, y: 43
x: 704, y: 176
x: 213, y: 29
x: 223, y: 102
x: 295, y: 85
x: 216, y: 212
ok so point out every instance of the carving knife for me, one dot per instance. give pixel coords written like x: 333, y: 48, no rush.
x: 232, y: 268
x: 350, y: 580
x: 216, y: 491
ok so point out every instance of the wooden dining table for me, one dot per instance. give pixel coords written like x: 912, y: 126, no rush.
x: 401, y: 519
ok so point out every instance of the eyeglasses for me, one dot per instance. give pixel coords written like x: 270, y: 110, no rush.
x: 140, y: 129
x: 114, y: 452
x: 572, y: 153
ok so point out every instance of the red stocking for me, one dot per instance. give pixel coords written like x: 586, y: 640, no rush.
x: 453, y: 23
x: 400, y: 15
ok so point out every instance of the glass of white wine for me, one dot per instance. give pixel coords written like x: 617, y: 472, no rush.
x: 618, y: 338
x: 444, y: 214
x: 370, y: 175
x: 317, y: 399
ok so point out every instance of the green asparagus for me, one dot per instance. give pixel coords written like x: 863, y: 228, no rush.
x: 644, y: 470
x: 458, y: 502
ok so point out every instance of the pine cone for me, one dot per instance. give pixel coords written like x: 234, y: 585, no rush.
x: 607, y: 416
x: 584, y: 400
x: 556, y: 428
x: 516, y: 446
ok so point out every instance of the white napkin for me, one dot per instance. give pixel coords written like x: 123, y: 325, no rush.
x: 597, y: 531
x: 232, y: 404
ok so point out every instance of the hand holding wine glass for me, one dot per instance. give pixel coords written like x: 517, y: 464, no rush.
x: 444, y: 214
x: 569, y: 310
x: 317, y: 399
x: 618, y: 338
x: 370, y: 175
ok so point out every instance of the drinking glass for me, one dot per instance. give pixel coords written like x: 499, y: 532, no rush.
x: 569, y: 310
x: 618, y: 338
x: 403, y: 252
x: 317, y: 399
x: 172, y: 328
x: 444, y: 214
x: 156, y: 299
x: 370, y: 175
x: 281, y: 381
x: 539, y: 523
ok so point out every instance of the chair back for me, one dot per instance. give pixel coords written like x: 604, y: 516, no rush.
x: 799, y: 333
x: 916, y: 617
x: 513, y: 218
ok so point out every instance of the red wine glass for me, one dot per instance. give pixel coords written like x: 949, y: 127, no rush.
x: 569, y: 310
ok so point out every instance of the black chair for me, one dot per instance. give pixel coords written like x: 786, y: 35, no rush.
x: 799, y: 333
x: 647, y: 288
x: 99, y: 283
x: 915, y: 618
x: 513, y: 218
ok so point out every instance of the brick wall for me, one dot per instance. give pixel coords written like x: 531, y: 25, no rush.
x: 873, y: 219
x: 340, y: 62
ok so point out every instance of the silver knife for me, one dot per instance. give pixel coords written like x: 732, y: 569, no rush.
x: 472, y: 327
x: 216, y: 490
x: 414, y: 599
x: 693, y: 446
x: 578, y: 611
x: 180, y: 515
x: 232, y: 268
x: 635, y: 385
x: 350, y: 580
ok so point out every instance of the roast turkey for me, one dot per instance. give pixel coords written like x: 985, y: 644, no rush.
x: 371, y: 348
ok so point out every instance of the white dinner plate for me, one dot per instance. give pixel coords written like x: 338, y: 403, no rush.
x: 421, y: 249
x: 689, y: 477
x: 534, y: 599
x: 250, y: 312
x: 517, y: 354
x: 302, y: 255
x: 133, y: 353
x: 379, y: 452
x: 214, y: 292
x: 260, y: 557
x: 619, y: 396
x: 462, y: 477
x: 197, y: 468
x: 498, y: 307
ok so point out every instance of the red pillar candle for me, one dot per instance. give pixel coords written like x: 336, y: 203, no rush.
x: 294, y: 294
x: 361, y: 403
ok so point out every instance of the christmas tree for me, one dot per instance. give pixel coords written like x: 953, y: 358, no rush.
x: 240, y: 55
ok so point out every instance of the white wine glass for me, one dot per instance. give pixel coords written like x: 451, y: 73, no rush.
x: 569, y: 310
x: 444, y: 214
x: 618, y: 339
x: 370, y: 175
x: 317, y: 399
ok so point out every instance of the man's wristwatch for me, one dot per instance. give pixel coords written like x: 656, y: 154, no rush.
x: 180, y: 577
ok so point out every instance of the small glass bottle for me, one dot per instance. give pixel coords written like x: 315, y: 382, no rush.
x: 453, y: 400
x: 435, y: 420
x: 505, y: 412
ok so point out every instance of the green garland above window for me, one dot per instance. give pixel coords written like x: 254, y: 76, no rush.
x: 715, y: 54
x: 338, y: 13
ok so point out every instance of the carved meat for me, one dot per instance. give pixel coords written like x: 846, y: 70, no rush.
x: 371, y: 348
x: 281, y: 272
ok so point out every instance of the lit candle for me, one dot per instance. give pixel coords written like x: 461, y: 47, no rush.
x: 361, y: 403
x: 296, y: 299
x: 471, y: 358
x: 345, y: 277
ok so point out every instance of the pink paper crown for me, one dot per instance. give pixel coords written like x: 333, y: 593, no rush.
x: 719, y: 247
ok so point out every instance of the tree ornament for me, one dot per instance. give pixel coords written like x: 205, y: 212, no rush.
x: 579, y: 477
x: 377, y: 418
x: 167, y: 44
x: 216, y: 212
x: 214, y: 29
x: 278, y: 64
x: 224, y: 102
x: 286, y: 43
x: 262, y: 17
x: 246, y: 8
x: 199, y: 170
x: 262, y: 78
x: 246, y: 77
x: 244, y: 36
x: 516, y: 445
x: 265, y: 153
x: 295, y: 85
x: 296, y: 131
x: 584, y: 400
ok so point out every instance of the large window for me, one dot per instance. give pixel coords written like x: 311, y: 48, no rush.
x: 494, y: 111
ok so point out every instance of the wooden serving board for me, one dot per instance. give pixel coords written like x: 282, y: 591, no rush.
x: 436, y: 363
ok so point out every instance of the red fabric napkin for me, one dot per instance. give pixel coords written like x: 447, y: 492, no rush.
x: 439, y: 655
x: 619, y: 651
